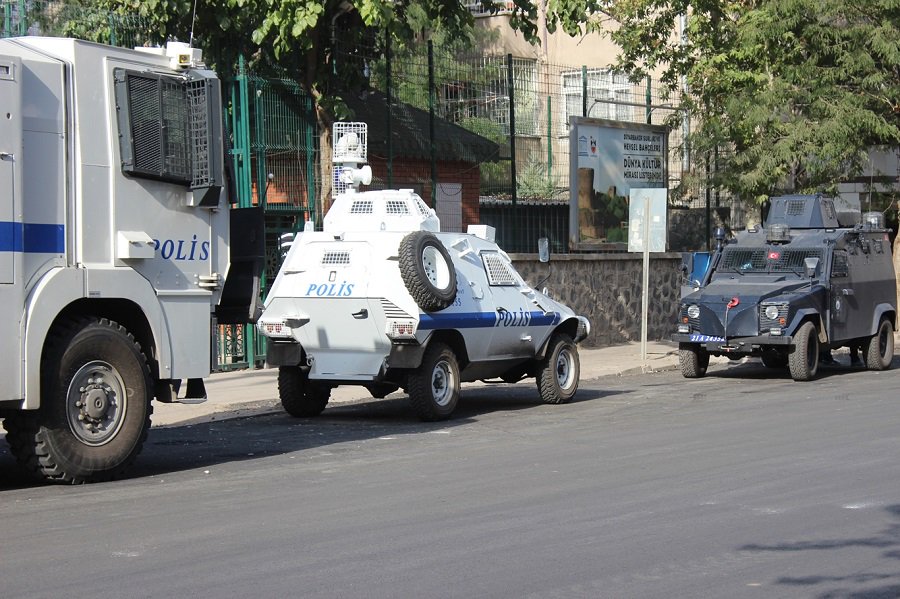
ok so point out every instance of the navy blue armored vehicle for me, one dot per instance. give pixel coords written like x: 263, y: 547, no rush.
x: 808, y: 281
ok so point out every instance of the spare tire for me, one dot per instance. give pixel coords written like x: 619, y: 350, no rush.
x: 427, y: 271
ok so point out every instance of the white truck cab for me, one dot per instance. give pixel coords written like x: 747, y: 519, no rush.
x: 114, y: 246
x: 383, y: 299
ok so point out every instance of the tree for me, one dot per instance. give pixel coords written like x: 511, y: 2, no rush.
x: 799, y: 90
x: 304, y: 38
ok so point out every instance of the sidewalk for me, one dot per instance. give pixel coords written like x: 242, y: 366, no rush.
x: 246, y: 392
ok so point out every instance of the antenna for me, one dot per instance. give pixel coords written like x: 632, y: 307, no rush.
x: 193, y: 19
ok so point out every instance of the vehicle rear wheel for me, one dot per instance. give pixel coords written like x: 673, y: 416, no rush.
x: 693, y: 360
x: 880, y: 348
x: 300, y: 397
x: 427, y: 271
x: 772, y: 358
x: 803, y: 360
x: 434, y: 385
x: 559, y: 371
x: 95, y: 410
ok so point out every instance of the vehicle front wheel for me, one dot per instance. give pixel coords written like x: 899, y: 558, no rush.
x: 693, y: 360
x: 559, y: 371
x: 803, y: 361
x: 300, y: 397
x: 880, y: 348
x: 95, y: 409
x: 434, y: 386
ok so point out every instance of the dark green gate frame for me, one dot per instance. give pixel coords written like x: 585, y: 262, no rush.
x: 274, y: 147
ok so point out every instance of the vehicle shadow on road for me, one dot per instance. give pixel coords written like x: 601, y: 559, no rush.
x: 205, y: 444
x: 871, y: 583
x: 754, y: 369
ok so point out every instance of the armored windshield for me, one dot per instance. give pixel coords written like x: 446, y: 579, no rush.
x: 770, y: 259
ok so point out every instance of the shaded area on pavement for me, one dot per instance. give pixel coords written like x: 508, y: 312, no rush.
x: 197, y: 445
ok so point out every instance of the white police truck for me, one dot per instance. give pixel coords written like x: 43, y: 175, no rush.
x: 383, y: 299
x: 114, y: 246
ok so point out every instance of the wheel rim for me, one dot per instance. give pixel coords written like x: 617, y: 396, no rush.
x: 565, y: 369
x: 442, y: 383
x: 436, y: 269
x: 95, y: 403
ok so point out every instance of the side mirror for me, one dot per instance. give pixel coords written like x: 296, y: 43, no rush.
x: 544, y: 249
x: 812, y: 264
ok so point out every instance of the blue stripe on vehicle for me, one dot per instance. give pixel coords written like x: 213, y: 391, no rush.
x: 457, y: 320
x: 32, y: 238
x: 476, y: 320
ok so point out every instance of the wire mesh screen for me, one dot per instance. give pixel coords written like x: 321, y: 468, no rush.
x: 284, y: 142
x: 197, y: 92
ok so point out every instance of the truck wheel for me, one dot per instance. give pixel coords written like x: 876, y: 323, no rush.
x: 559, y: 371
x: 880, y: 348
x: 692, y: 360
x: 95, y: 405
x: 299, y: 397
x: 803, y: 361
x: 434, y: 385
x: 427, y: 271
x: 772, y: 358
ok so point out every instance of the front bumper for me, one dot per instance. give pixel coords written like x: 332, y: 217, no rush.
x: 735, y: 345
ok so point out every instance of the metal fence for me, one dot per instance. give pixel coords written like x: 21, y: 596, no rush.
x: 524, y: 107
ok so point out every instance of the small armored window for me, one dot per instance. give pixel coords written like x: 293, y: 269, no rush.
x: 423, y: 209
x: 361, y: 207
x: 396, y: 207
x: 839, y: 265
x: 499, y: 272
x: 335, y: 258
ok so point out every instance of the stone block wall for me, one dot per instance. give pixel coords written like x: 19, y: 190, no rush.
x: 607, y: 289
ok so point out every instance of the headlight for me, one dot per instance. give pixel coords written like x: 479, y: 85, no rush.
x: 693, y: 311
x: 771, y: 312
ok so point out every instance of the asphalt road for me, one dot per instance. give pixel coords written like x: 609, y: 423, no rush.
x: 740, y: 484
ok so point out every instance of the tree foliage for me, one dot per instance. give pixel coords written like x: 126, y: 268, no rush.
x: 798, y: 90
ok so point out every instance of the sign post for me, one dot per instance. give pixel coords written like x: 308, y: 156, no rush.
x: 646, y: 233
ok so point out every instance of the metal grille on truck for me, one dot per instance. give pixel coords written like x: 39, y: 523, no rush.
x: 335, y: 258
x: 498, y: 271
x: 766, y: 323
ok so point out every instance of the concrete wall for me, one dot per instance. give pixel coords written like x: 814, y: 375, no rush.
x: 607, y: 289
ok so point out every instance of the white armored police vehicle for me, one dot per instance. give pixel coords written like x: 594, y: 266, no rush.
x: 809, y: 281
x: 114, y: 246
x: 383, y: 299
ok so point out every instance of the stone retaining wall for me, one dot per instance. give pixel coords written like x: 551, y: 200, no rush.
x: 607, y: 289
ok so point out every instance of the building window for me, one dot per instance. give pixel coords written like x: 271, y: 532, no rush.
x: 489, y: 98
x: 478, y: 9
x: 607, y: 95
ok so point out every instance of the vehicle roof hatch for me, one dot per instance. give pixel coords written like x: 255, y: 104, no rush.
x: 803, y: 212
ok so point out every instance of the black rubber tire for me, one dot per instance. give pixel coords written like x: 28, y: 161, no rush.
x: 427, y: 271
x: 54, y: 443
x: 693, y: 360
x: 299, y: 397
x: 774, y: 359
x: 559, y: 371
x: 880, y: 347
x: 803, y: 359
x: 434, y: 386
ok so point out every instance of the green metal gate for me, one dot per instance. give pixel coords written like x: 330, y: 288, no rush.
x: 274, y: 152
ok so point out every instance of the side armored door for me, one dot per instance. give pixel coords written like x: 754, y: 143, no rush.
x: 842, y: 297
